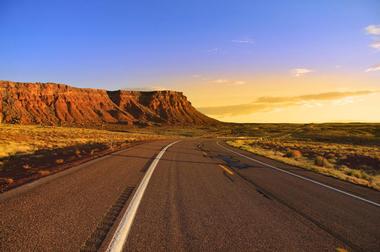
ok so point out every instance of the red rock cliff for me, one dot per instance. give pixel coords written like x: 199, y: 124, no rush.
x: 58, y: 104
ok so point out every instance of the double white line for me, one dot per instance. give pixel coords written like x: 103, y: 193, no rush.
x: 120, y: 236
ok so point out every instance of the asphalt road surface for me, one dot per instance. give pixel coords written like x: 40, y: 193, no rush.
x: 202, y: 196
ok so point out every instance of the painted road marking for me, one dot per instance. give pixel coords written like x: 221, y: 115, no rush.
x: 226, y: 170
x: 121, y: 234
x: 302, y: 177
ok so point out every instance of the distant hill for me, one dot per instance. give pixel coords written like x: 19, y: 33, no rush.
x: 59, y: 104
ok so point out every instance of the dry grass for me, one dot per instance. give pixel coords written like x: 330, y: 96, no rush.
x: 29, y: 152
x: 21, y: 139
x: 354, y: 163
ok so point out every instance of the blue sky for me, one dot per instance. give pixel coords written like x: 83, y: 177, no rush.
x: 138, y: 44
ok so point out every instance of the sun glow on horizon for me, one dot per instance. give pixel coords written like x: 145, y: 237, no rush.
x: 286, y: 98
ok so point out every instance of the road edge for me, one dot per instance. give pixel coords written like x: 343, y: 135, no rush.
x: 43, y: 180
x: 303, y: 177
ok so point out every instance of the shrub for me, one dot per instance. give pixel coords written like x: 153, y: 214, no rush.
x: 6, y: 181
x: 44, y: 172
x: 321, y: 161
x: 294, y: 154
x: 26, y: 167
x: 331, y: 160
x: 59, y: 161
x: 365, y: 176
x: 331, y: 156
x: 358, y: 174
x: 342, y: 156
x: 343, y: 167
x: 349, y: 172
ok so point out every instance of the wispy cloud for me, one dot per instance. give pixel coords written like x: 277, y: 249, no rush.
x: 238, y: 83
x: 344, y: 101
x: 229, y: 82
x: 312, y: 97
x: 270, y: 103
x: 220, y: 81
x: 243, y: 41
x: 375, y: 45
x: 298, y: 72
x: 213, y: 50
x: 373, y: 29
x: 373, y: 68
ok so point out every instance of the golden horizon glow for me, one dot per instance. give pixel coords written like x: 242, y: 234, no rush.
x: 284, y: 98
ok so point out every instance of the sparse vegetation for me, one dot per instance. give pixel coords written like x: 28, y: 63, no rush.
x: 356, y: 163
x: 349, y: 151
x: 22, y: 139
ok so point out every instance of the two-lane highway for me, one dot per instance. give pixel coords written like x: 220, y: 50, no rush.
x: 201, y: 195
x: 192, y: 204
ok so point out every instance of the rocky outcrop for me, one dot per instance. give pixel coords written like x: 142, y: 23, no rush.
x: 58, y: 104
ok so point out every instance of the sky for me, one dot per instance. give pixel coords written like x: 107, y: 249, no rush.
x: 240, y: 61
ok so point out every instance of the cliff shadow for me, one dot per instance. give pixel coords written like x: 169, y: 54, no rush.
x: 21, y: 168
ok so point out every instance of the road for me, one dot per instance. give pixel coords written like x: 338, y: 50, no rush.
x: 202, y: 195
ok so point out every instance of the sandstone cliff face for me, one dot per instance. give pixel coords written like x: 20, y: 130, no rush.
x: 58, y: 104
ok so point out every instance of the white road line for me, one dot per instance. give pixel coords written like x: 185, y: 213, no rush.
x: 301, y: 177
x: 121, y: 234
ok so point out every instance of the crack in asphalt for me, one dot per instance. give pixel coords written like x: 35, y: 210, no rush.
x: 96, y: 239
